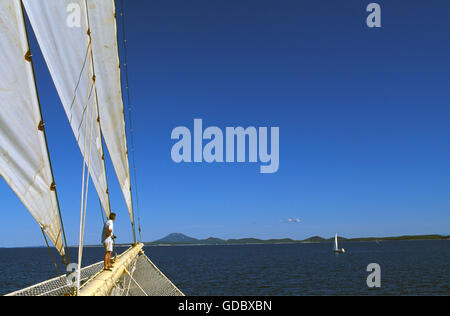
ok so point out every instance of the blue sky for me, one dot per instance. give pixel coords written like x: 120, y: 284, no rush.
x: 363, y: 116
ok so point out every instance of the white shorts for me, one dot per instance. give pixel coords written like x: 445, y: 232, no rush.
x: 108, y: 244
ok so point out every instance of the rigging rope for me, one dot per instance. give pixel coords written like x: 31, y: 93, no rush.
x: 101, y: 211
x: 131, y: 277
x: 122, y: 14
x: 54, y: 262
x: 84, y: 193
x: 78, y: 83
x: 84, y: 199
x: 132, y: 272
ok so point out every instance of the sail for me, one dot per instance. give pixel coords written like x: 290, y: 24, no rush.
x: 107, y: 70
x: 24, y: 160
x: 61, y: 28
x: 336, y: 242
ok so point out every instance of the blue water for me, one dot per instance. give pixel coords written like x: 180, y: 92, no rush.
x: 407, y: 268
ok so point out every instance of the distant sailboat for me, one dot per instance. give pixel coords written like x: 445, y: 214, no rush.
x: 336, y: 247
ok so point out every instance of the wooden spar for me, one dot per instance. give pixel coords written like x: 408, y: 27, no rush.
x: 104, y: 282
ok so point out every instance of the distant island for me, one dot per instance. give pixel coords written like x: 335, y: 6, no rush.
x: 181, y: 239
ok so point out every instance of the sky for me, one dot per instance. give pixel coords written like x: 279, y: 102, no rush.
x: 363, y: 115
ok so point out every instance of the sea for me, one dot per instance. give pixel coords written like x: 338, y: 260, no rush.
x: 419, y: 267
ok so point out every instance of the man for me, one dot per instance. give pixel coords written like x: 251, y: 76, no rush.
x: 107, y: 240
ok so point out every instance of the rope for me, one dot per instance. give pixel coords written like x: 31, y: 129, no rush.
x: 78, y: 83
x: 101, y: 211
x: 84, y: 203
x: 132, y: 272
x: 84, y: 193
x: 131, y: 277
x: 54, y: 262
x: 122, y: 14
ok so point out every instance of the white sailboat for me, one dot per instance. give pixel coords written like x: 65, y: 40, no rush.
x: 336, y: 246
x: 83, y: 60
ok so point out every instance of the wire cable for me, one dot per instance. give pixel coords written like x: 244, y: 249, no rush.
x: 127, y: 88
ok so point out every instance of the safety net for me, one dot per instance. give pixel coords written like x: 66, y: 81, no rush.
x: 139, y: 278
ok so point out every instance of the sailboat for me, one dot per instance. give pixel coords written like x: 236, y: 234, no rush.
x: 78, y: 39
x: 336, y: 246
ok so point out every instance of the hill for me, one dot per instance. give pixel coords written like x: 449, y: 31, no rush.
x: 315, y: 239
x: 177, y: 238
x: 181, y: 239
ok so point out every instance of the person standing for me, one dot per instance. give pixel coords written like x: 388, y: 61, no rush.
x: 107, y: 240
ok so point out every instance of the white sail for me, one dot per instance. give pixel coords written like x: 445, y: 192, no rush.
x: 24, y: 160
x: 61, y: 28
x: 336, y: 242
x: 107, y: 70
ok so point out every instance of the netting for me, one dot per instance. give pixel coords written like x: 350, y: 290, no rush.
x: 140, y: 278
x: 143, y: 278
x: 59, y: 286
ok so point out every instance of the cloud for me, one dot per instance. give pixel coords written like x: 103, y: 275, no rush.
x: 291, y: 220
